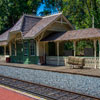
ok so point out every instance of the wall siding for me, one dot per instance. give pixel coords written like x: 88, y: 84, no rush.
x: 25, y: 59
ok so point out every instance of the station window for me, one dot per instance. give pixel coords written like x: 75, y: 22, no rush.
x: 7, y: 50
x: 1, y: 50
x: 25, y: 48
x: 32, y: 47
x: 13, y: 49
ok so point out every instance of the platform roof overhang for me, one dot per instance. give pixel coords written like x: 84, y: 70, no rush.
x: 3, y: 43
x: 90, y: 33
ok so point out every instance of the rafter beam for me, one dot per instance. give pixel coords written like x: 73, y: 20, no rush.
x: 61, y: 22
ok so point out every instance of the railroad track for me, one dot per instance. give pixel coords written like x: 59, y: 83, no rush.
x: 42, y: 91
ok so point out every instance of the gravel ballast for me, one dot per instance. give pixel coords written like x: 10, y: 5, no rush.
x: 70, y: 82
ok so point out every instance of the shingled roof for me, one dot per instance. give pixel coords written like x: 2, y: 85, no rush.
x: 41, y: 25
x: 81, y: 34
x: 4, y: 36
x: 30, y: 25
x: 25, y: 23
x: 75, y: 35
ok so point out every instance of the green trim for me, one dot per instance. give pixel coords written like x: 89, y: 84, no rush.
x: 25, y: 59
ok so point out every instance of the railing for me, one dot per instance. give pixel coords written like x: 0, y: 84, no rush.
x: 52, y: 60
x: 89, y: 61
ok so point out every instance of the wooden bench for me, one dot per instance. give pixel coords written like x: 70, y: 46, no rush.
x: 76, y: 61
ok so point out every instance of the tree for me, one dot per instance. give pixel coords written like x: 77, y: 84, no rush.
x: 12, y: 10
x: 81, y: 12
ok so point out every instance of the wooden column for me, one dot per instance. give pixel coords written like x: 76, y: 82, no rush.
x: 95, y: 53
x: 74, y: 45
x: 37, y: 48
x: 4, y: 50
x: 99, y: 54
x: 15, y: 49
x: 44, y: 48
x: 10, y: 49
x: 57, y: 53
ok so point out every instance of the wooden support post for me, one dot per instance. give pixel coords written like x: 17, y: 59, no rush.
x: 57, y: 53
x: 37, y: 47
x: 44, y: 48
x: 95, y: 54
x: 99, y: 54
x: 10, y: 49
x: 74, y: 45
x: 15, y: 49
x: 4, y: 50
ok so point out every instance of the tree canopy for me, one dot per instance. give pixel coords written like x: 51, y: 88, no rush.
x: 11, y: 10
x: 80, y: 13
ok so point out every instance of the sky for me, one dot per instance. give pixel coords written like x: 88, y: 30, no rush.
x: 41, y: 9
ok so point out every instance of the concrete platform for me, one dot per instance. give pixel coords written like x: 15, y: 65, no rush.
x: 7, y: 93
x: 60, y: 69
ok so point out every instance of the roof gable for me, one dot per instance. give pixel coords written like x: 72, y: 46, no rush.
x: 41, y: 25
x: 30, y: 26
x: 25, y: 23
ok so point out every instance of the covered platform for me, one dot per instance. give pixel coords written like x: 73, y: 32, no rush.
x: 90, y: 35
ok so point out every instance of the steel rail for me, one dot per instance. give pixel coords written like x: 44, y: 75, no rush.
x: 21, y: 87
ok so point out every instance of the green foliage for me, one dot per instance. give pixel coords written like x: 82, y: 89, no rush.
x: 11, y: 11
x: 81, y: 45
x: 68, y: 45
x: 54, y: 4
x: 80, y: 12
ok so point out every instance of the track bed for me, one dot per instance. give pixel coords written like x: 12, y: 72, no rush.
x: 43, y: 91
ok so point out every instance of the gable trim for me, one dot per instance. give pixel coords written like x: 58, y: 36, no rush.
x: 67, y: 21
x: 44, y: 28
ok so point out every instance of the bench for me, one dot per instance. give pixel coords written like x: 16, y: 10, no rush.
x: 76, y: 61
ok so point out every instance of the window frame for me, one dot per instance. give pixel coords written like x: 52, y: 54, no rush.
x: 32, y: 48
x: 13, y: 49
x: 25, y: 48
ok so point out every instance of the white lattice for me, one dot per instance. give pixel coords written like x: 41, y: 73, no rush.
x: 89, y: 61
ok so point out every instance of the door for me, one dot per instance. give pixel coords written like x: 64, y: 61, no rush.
x: 19, y: 52
x: 51, y: 48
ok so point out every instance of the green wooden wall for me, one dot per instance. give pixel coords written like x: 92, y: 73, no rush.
x: 25, y: 59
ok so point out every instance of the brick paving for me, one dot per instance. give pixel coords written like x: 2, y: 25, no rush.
x: 6, y: 94
x: 61, y: 69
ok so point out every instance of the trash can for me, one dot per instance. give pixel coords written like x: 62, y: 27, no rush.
x: 7, y: 59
